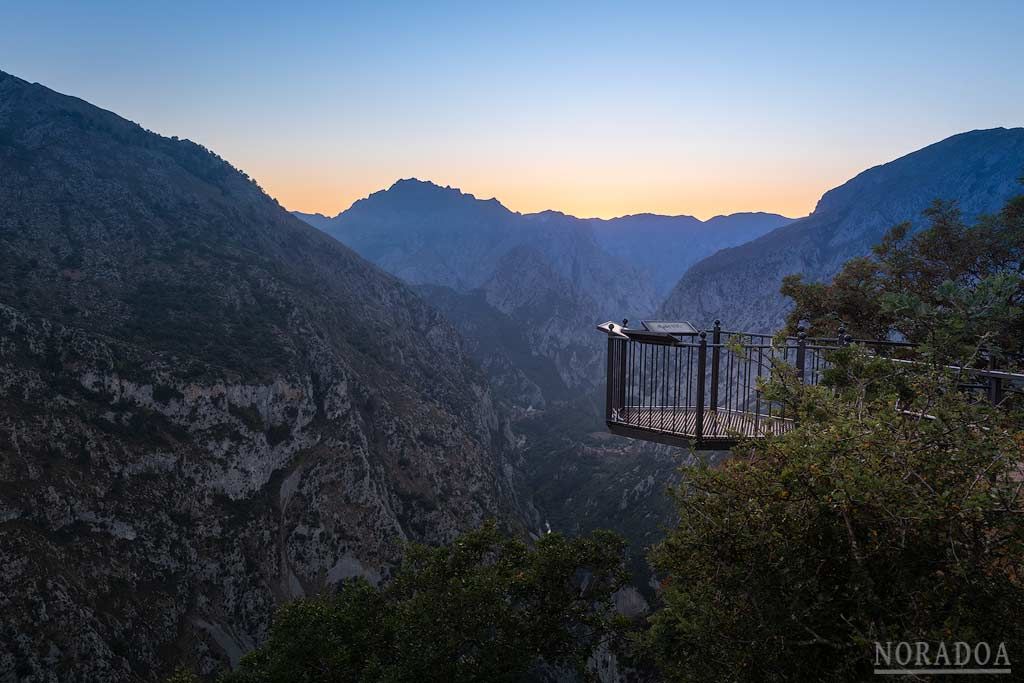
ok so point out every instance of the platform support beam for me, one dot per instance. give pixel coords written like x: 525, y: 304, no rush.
x: 623, y: 354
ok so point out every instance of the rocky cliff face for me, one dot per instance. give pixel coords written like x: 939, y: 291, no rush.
x: 556, y: 317
x: 740, y: 285
x: 523, y: 381
x: 206, y: 406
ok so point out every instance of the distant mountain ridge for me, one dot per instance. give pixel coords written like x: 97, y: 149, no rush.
x: 978, y: 169
x: 660, y: 248
x: 427, y: 234
x: 317, y: 220
x: 593, y: 269
x: 547, y: 270
x: 665, y: 246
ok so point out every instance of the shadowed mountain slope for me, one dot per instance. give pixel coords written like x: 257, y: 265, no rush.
x: 206, y: 406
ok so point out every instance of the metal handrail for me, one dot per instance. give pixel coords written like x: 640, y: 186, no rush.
x: 701, y: 388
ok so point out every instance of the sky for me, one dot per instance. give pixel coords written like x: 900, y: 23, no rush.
x: 592, y: 108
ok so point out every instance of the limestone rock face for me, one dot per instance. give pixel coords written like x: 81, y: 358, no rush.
x: 206, y: 406
x: 979, y: 170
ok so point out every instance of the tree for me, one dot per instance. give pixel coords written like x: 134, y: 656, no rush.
x: 861, y: 525
x: 892, y: 512
x: 950, y: 287
x: 485, y: 608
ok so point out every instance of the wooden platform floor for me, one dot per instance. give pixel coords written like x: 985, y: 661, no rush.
x: 718, y: 424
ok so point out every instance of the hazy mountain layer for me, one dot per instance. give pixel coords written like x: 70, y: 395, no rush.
x: 426, y: 234
x: 525, y: 292
x: 545, y: 271
x: 663, y: 247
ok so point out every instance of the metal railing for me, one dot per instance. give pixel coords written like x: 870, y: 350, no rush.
x: 707, y: 389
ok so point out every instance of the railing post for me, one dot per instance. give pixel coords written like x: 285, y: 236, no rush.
x: 995, y: 390
x: 716, y: 339
x: 702, y: 358
x: 801, y: 353
x: 995, y: 384
x: 623, y: 354
x: 608, y: 407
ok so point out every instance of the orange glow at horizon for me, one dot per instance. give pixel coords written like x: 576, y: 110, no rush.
x: 676, y: 109
x: 631, y: 175
x: 311, y: 193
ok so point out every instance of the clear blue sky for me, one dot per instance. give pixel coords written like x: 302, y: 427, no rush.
x: 592, y: 108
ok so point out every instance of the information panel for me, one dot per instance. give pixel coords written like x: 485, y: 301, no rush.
x: 668, y: 327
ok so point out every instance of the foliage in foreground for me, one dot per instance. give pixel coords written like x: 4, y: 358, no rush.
x: 486, y: 608
x: 861, y: 525
x: 893, y: 512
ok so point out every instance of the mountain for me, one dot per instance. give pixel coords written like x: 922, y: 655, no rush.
x: 520, y: 378
x: 545, y: 271
x: 317, y: 220
x: 663, y: 247
x: 565, y: 273
x: 978, y: 169
x: 427, y: 234
x: 525, y: 292
x: 207, y: 407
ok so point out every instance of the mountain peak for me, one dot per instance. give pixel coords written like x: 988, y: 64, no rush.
x: 930, y: 169
x: 748, y: 214
x: 549, y: 214
x: 415, y: 183
x: 413, y: 194
x: 647, y: 215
